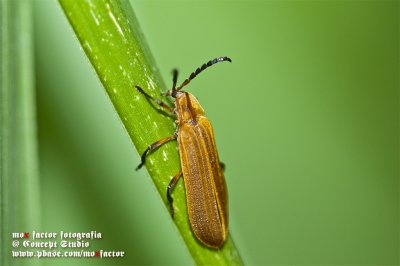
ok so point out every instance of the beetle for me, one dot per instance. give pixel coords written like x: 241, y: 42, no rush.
x: 206, y: 192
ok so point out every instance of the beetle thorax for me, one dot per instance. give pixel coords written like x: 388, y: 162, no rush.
x: 187, y: 108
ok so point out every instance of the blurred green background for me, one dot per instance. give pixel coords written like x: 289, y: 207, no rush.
x: 306, y: 121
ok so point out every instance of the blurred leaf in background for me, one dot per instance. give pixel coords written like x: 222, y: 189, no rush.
x: 19, y: 176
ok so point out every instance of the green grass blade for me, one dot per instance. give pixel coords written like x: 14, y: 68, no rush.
x: 19, y: 183
x: 111, y: 38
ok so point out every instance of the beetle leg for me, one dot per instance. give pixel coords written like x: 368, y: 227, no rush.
x: 170, y: 187
x: 159, y: 102
x: 154, y: 146
x: 222, y: 165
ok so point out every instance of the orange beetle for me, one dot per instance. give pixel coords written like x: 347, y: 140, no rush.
x: 206, y: 192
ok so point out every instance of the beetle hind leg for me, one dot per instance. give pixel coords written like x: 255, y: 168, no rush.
x: 222, y: 165
x: 170, y: 187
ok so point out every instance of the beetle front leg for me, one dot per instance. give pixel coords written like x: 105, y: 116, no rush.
x: 159, y: 102
x: 170, y: 187
x: 154, y: 146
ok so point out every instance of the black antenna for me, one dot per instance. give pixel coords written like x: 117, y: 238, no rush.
x: 199, y: 70
x: 174, y: 78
